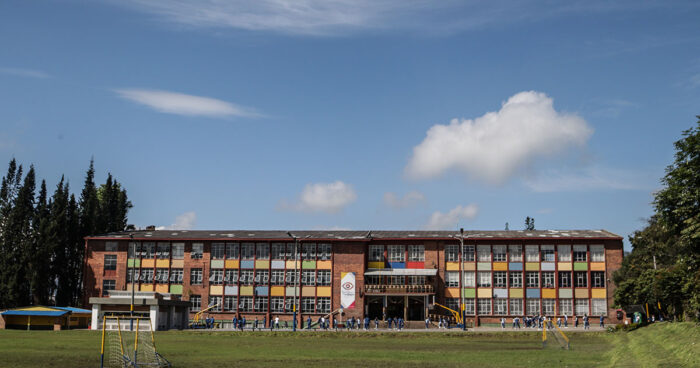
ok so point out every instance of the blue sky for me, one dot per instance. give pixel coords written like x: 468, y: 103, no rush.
x: 355, y: 115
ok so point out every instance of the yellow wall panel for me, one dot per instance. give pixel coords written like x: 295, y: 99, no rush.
x: 549, y: 293
x: 290, y: 264
x: 177, y: 263
x: 598, y: 293
x: 308, y: 291
x: 148, y: 263
x: 277, y: 291
x: 597, y: 266
x: 469, y: 266
x: 162, y: 288
x: 147, y: 287
x: 323, y: 291
x: 452, y: 292
x: 484, y: 293
x: 452, y: 266
x: 581, y: 294
x: 232, y: 263
x: 163, y: 263
x: 246, y: 290
x: 500, y: 266
x: 375, y: 264
x: 262, y: 264
x: 564, y: 266
x: 515, y: 293
x: 532, y: 266
x: 216, y: 290
x: 327, y: 265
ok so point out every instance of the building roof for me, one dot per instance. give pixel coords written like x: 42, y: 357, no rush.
x: 39, y: 310
x: 350, y: 235
x: 75, y: 310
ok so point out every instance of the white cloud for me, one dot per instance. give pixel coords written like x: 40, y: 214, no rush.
x: 322, y: 197
x: 186, y: 221
x: 500, y: 144
x: 182, y: 104
x: 22, y: 72
x: 587, y: 179
x: 409, y: 199
x: 450, y: 220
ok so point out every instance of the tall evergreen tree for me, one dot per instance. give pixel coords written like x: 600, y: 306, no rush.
x: 38, y: 255
x: 114, y: 206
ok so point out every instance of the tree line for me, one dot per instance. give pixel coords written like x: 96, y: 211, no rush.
x: 41, y: 237
x: 663, y: 269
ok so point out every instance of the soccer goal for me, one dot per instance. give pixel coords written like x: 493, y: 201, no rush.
x: 552, y: 332
x: 129, y: 342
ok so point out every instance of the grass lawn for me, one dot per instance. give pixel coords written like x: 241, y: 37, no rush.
x: 660, y: 345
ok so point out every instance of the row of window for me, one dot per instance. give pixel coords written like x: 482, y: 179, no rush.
x: 235, y: 276
x: 533, y: 279
x: 533, y: 253
x: 397, y: 253
x: 261, y: 304
x: 514, y: 307
x: 245, y: 251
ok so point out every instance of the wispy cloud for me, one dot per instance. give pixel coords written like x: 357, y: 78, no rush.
x: 451, y: 219
x: 588, y: 179
x: 500, y: 144
x: 322, y: 197
x: 186, y: 221
x: 409, y: 199
x: 22, y: 72
x: 183, y: 104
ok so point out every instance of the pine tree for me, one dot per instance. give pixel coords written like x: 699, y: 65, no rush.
x: 8, y: 192
x: 38, y: 255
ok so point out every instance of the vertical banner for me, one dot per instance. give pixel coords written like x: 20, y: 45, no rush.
x: 347, y: 290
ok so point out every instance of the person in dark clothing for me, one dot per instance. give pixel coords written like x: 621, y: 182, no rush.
x: 308, y: 323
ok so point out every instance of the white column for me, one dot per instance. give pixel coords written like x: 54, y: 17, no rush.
x: 154, y: 317
x: 95, y: 316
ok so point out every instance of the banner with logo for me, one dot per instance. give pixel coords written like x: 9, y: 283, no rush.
x: 347, y: 290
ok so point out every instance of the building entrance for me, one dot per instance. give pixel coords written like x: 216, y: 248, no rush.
x: 375, y: 306
x: 395, y: 306
x: 416, y: 308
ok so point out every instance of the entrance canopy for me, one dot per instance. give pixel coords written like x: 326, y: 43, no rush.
x: 402, y: 272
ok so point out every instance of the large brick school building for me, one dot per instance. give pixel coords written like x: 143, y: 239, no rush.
x: 383, y: 273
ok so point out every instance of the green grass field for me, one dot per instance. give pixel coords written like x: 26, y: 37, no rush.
x: 662, y: 345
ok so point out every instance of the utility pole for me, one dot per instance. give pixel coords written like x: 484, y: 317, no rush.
x: 133, y: 267
x: 296, y: 281
x: 461, y: 277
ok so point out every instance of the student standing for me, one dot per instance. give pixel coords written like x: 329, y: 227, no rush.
x: 575, y: 321
x: 277, y: 322
x: 255, y: 324
x: 427, y: 323
x: 602, y: 324
x: 503, y: 323
x: 234, y: 322
x: 376, y: 323
x: 308, y: 323
x: 243, y: 323
x: 566, y: 321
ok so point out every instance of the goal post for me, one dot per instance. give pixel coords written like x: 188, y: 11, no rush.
x: 125, y: 346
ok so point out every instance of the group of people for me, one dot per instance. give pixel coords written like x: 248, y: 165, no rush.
x: 539, y: 321
x: 442, y: 323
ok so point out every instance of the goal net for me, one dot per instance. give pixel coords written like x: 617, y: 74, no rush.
x: 129, y: 342
x: 552, y: 335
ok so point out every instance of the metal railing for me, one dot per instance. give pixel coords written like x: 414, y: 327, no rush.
x: 403, y: 289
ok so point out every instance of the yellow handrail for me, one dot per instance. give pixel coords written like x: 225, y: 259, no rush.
x: 458, y: 318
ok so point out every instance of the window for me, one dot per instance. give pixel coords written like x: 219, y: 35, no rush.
x: 500, y: 307
x: 262, y: 251
x: 597, y: 253
x: 231, y: 277
x: 218, y: 250
x: 451, y: 253
x: 376, y: 253
x: 564, y: 279
x: 132, y: 250
x: 308, y: 252
x: 532, y: 254
x: 246, y: 304
x: 599, y: 307
x: 532, y: 279
x: 515, y: 279
x: 290, y: 251
x: 548, y: 307
x: 196, y: 276
x: 499, y: 253
x: 110, y: 262
x: 247, y: 251
x: 215, y: 302
x: 564, y: 253
x: 216, y: 276
x: 515, y: 253
x: 178, y: 250
x: 323, y: 278
x: 308, y: 277
x: 566, y: 307
x: 500, y: 279
x: 162, y: 275
x: 108, y: 285
x: 288, y: 305
x: 262, y: 277
x: 373, y: 280
x: 397, y: 280
x: 547, y: 253
x: 230, y: 303
x: 484, y: 279
x: 247, y: 277
x: 307, y: 305
x: 111, y: 246
x: 452, y: 303
x: 277, y: 251
x: 483, y: 253
x: 261, y: 304
x: 598, y: 279
x: 196, y: 302
x: 416, y: 253
x: 396, y: 253
x: 580, y: 253
x: 484, y: 306
x: 176, y: 276
x: 516, y: 307
x: 163, y: 251
x: 277, y: 277
x: 232, y: 250
x: 469, y: 279
x: 131, y: 272
x: 148, y: 250
x: 580, y: 279
x: 548, y: 279
x: 147, y: 275
x: 277, y: 304
x: 533, y: 307
x: 581, y: 307
x: 452, y: 279
x: 197, y: 251
x: 469, y: 306
x: 416, y: 280
x: 291, y: 277
x: 323, y: 305
x: 324, y: 252
x: 468, y: 253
